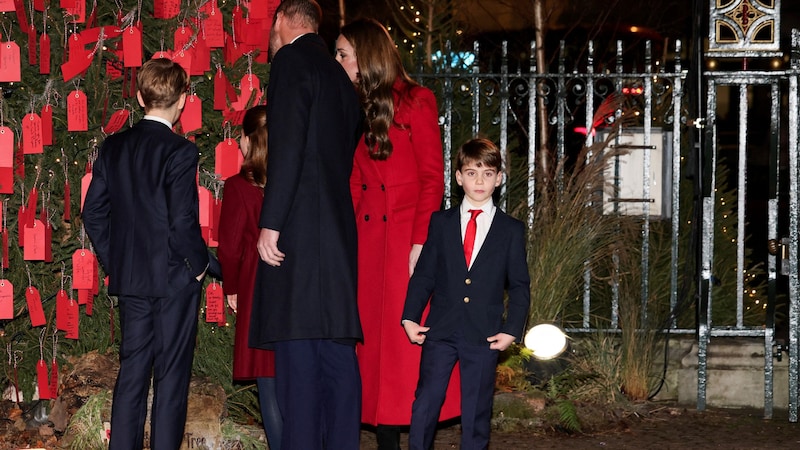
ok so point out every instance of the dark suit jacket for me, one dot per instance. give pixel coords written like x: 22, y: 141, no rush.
x: 471, y: 301
x: 141, y: 211
x: 314, y: 117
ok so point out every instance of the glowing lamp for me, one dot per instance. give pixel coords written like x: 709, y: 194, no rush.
x: 546, y: 341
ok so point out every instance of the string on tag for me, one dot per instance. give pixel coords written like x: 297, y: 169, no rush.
x: 41, y: 343
x: 63, y: 274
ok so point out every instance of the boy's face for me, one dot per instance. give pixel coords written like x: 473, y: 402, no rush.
x: 478, y: 182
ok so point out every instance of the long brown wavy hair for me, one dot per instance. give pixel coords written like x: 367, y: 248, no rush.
x: 379, y: 67
x: 254, y: 126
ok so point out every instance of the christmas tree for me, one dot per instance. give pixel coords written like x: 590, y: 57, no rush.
x: 67, y: 75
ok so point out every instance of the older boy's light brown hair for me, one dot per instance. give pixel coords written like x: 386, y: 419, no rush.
x: 480, y: 151
x: 161, y: 82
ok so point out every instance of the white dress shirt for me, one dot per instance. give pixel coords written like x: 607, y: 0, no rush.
x: 483, y: 221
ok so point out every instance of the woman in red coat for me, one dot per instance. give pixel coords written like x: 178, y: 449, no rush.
x: 397, y: 182
x: 237, y: 254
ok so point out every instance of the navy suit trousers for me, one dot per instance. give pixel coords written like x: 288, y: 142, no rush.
x: 158, y: 339
x: 477, y: 365
x: 319, y: 394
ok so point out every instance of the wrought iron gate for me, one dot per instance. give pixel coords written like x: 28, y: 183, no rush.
x: 490, y: 99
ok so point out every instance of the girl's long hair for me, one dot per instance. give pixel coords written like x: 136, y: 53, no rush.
x: 254, y: 126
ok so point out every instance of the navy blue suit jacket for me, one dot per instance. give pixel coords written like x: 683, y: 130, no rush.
x: 471, y: 301
x: 141, y: 211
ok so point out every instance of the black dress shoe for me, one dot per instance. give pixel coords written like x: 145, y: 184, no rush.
x: 388, y: 437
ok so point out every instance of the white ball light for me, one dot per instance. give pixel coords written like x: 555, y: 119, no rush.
x: 546, y: 341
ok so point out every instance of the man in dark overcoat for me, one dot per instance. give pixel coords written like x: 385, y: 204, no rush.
x: 305, y: 295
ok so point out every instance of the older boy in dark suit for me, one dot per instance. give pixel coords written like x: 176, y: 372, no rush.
x: 141, y: 213
x: 473, y: 254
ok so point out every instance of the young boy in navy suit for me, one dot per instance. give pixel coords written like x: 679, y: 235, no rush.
x: 474, y: 254
x: 141, y: 213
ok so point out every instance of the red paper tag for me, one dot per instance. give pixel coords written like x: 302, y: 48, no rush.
x: 6, y: 5
x: 6, y: 147
x: 114, y: 69
x: 10, y: 70
x: 30, y: 210
x: 86, y: 180
x: 32, y: 60
x: 83, y: 298
x: 201, y: 58
x: 82, y: 269
x: 227, y: 158
x: 6, y: 300
x: 47, y: 125
x: 239, y: 22
x: 260, y: 9
x: 215, y: 306
x: 223, y: 90
x: 213, y: 27
x: 216, y: 209
x: 48, y: 242
x: 77, y: 115
x: 54, y: 379
x: 132, y: 47
x: 249, y: 92
x: 44, y: 54
x: 19, y: 162
x: 6, y: 180
x: 162, y: 54
x: 42, y: 381
x: 181, y: 37
x: 184, y: 59
x: 77, y: 11
x: 255, y: 30
x: 73, y: 319
x: 34, y: 302
x: 67, y: 202
x: 35, y: 236
x: 117, y: 121
x: 62, y: 305
x: 166, y: 9
x: 192, y: 115
x: 205, y: 206
x: 78, y: 62
x: 22, y: 15
x: 32, y: 134
x: 233, y: 49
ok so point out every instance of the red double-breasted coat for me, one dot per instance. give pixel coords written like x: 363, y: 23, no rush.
x: 393, y: 200
x: 238, y: 258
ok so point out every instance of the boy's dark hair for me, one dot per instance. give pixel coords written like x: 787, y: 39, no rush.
x: 307, y: 12
x: 482, y: 152
x: 161, y: 82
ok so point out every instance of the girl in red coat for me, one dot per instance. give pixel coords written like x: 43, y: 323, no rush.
x: 237, y: 254
x: 397, y: 182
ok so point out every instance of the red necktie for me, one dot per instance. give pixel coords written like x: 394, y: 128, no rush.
x: 469, y: 235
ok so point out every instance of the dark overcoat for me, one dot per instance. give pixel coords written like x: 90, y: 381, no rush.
x: 314, y: 118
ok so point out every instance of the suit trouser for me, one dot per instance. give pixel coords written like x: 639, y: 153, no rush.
x: 319, y: 394
x: 158, y: 338
x: 477, y: 365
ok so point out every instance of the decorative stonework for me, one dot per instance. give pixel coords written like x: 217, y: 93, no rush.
x: 741, y: 28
